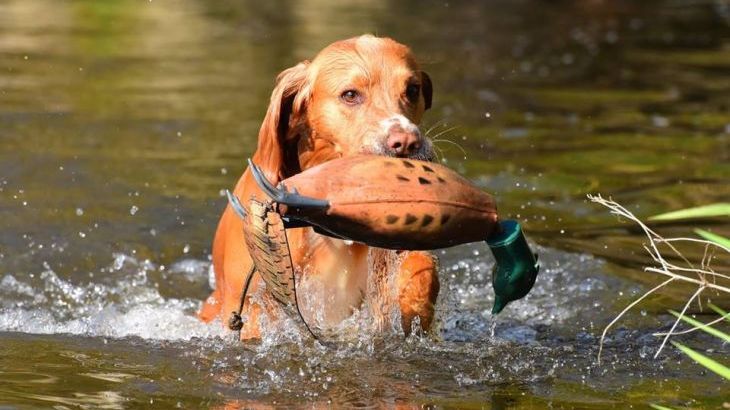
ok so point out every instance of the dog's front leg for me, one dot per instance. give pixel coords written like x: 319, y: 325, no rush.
x: 418, y: 286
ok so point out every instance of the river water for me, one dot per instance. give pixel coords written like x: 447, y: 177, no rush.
x: 121, y: 122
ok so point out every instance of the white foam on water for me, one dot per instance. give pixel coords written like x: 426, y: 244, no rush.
x: 122, y: 300
x: 130, y: 306
x: 132, y: 297
x: 156, y: 322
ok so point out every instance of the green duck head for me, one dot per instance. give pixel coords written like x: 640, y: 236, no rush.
x: 516, y: 267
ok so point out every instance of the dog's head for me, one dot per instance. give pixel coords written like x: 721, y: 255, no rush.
x: 361, y: 95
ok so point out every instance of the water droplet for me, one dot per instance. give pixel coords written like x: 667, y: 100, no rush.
x: 79, y: 211
x: 133, y: 210
x: 660, y: 121
x: 186, y: 248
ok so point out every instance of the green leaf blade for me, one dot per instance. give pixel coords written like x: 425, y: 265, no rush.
x: 703, y: 326
x: 719, y: 311
x: 713, y: 237
x: 705, y: 361
x: 705, y: 211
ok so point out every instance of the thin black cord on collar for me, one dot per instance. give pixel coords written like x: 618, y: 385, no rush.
x: 235, y: 322
x: 296, y: 297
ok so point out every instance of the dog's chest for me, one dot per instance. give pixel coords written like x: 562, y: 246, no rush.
x: 334, y: 273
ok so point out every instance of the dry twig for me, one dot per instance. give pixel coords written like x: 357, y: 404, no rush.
x: 705, y: 276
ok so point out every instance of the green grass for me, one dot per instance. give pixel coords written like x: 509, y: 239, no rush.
x: 704, y: 326
x: 713, y: 237
x: 718, y: 310
x: 705, y: 211
x: 705, y: 361
x: 658, y: 407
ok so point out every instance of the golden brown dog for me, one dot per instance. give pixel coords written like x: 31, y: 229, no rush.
x: 360, y: 95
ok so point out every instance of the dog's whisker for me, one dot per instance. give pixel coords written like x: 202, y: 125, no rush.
x: 442, y: 132
x: 438, y: 159
x: 434, y: 125
x: 457, y: 145
x: 431, y: 127
x: 444, y: 128
x: 442, y: 124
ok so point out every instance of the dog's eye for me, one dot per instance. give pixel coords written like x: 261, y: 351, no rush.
x: 412, y: 92
x: 351, y: 97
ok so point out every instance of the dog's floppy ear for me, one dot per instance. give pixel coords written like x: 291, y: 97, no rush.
x: 427, y: 88
x: 288, y: 102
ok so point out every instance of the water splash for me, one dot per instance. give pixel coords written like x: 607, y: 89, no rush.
x: 131, y: 306
x: 126, y: 300
x: 132, y: 297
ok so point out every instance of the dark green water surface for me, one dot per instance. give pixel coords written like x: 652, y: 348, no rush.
x: 121, y: 122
